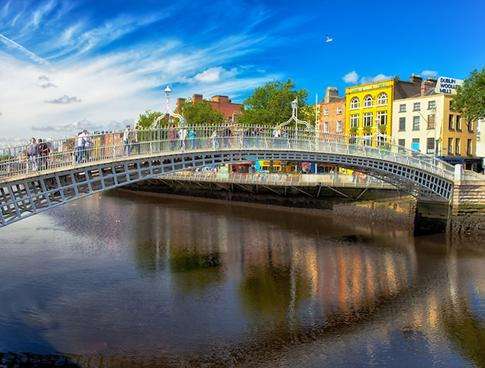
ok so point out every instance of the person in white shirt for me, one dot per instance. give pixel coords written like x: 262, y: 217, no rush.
x: 126, y: 141
x: 79, y: 150
x: 182, y: 137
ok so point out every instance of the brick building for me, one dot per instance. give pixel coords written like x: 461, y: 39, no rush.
x: 223, y: 104
x: 332, y: 113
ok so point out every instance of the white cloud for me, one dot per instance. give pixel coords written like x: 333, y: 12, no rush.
x: 83, y: 83
x: 376, y: 78
x: 429, y: 74
x: 351, y: 77
x: 41, y: 12
x: 89, y: 125
x: 64, y: 100
x: 215, y: 74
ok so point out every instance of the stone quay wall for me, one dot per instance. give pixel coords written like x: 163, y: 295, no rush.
x: 468, y: 207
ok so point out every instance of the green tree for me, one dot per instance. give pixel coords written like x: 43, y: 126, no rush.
x: 146, y: 120
x: 470, y: 97
x: 270, y: 104
x: 200, y: 113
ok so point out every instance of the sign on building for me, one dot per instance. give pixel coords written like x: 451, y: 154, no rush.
x: 447, y: 85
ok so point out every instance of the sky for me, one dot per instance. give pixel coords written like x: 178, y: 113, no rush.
x: 98, y: 64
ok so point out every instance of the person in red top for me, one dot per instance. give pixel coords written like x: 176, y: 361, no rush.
x: 43, y: 150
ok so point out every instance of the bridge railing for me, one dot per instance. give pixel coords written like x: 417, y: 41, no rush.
x: 110, y: 147
x: 329, y: 179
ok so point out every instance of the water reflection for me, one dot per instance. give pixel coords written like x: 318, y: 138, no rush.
x: 184, y: 282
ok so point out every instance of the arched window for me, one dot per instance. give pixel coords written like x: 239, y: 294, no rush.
x: 354, y: 103
x: 368, y: 101
x: 382, y: 99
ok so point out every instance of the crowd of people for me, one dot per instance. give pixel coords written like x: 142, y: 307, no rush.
x: 39, y: 154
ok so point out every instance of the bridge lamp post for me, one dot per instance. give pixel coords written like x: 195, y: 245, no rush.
x: 167, y: 92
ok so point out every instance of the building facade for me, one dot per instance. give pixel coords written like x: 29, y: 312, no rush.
x: 369, y: 107
x: 222, y: 104
x: 481, y: 138
x: 332, y: 113
x: 427, y: 124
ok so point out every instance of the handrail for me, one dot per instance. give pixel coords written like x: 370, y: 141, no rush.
x: 289, y: 179
x: 109, y: 147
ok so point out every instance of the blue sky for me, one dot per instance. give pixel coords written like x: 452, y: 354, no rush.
x: 70, y: 64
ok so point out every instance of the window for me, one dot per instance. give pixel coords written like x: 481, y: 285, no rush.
x: 382, y: 99
x: 340, y: 127
x: 457, y: 146
x: 458, y: 123
x: 416, y: 122
x: 354, y: 103
x: 469, y: 150
x: 431, y: 121
x: 470, y: 126
x: 382, y: 117
x: 431, y: 105
x: 401, y: 142
x: 402, y: 124
x: 381, y: 140
x: 417, y: 106
x: 354, y: 121
x: 339, y: 110
x: 450, y: 122
x: 368, y: 119
x: 430, y: 145
x: 450, y: 146
x: 325, y: 112
x: 325, y: 127
x: 368, y: 101
x: 402, y: 108
x: 415, y: 144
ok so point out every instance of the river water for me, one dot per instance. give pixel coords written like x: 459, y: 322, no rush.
x: 120, y: 280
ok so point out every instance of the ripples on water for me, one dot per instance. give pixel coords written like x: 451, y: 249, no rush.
x: 130, y: 281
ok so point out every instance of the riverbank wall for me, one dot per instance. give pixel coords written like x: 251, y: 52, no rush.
x: 468, y: 208
x: 368, y: 206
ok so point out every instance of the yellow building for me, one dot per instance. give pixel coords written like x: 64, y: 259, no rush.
x: 368, y: 107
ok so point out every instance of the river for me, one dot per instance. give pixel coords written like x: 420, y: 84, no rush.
x: 121, y: 280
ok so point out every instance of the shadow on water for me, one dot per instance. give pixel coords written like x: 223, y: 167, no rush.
x: 186, y: 283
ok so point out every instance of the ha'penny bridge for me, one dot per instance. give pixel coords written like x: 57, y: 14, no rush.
x: 29, y: 186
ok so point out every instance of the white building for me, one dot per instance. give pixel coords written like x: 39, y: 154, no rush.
x: 414, y: 123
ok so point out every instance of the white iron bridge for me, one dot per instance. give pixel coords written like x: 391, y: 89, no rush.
x: 32, y: 184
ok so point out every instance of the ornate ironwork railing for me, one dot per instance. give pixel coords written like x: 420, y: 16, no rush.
x: 63, y: 153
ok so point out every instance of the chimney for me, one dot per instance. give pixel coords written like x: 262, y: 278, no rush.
x: 197, y: 98
x: 220, y: 98
x: 415, y: 79
x: 427, y: 86
x: 331, y: 94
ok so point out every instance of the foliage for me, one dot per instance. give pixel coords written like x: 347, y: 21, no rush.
x: 146, y: 120
x: 270, y: 104
x: 470, y: 97
x: 200, y: 113
x: 307, y: 113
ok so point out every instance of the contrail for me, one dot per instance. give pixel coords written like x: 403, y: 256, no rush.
x: 14, y: 45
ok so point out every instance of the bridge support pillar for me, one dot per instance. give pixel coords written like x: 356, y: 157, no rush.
x: 468, y: 206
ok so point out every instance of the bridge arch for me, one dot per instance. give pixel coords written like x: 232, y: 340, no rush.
x: 24, y: 196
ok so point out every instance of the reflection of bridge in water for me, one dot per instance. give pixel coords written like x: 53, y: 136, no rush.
x: 294, y: 279
x: 110, y: 164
